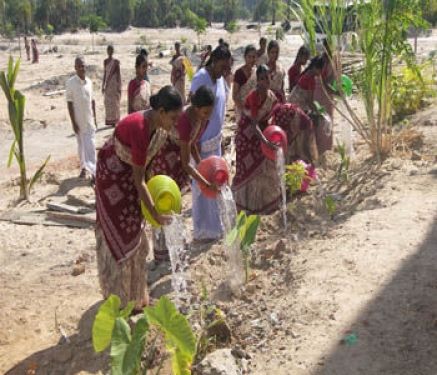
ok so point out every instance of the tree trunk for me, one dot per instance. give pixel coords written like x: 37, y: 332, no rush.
x: 273, y: 13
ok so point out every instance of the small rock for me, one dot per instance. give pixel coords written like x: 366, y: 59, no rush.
x: 237, y: 352
x: 52, y: 107
x: 220, y: 362
x: 274, y: 319
x: 413, y: 171
x: 78, y: 269
x: 396, y: 164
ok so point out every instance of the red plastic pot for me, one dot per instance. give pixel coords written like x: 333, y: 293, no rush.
x: 214, y: 169
x: 276, y: 135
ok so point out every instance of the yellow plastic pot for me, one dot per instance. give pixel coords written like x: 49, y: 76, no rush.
x: 166, y: 196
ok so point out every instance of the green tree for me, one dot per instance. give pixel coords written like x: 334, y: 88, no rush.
x: 120, y: 13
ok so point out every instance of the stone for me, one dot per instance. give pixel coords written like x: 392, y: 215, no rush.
x: 220, y: 362
x: 413, y: 171
x: 63, y: 353
x: 78, y: 269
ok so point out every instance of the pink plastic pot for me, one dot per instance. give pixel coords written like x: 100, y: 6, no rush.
x: 276, y: 135
x: 214, y: 169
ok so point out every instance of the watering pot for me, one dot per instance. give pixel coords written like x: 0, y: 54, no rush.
x: 214, y: 169
x: 166, y: 196
x: 346, y: 85
x: 276, y: 135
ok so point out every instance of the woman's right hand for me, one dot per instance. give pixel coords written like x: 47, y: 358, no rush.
x: 163, y: 219
x: 213, y: 186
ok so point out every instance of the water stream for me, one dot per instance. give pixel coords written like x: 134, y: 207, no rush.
x: 280, y: 170
x: 228, y: 216
x: 176, y: 240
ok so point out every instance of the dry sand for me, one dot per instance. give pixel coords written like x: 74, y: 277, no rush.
x: 370, y: 273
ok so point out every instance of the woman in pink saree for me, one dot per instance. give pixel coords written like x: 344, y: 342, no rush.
x: 111, y: 88
x: 138, y: 91
x: 178, y: 72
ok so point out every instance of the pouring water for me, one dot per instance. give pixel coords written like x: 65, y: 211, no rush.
x: 280, y: 170
x: 228, y: 216
x: 175, y: 238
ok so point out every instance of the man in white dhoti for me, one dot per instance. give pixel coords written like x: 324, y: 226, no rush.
x: 82, y: 110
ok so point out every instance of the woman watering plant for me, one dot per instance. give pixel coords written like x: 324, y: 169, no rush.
x: 182, y: 144
x: 122, y: 246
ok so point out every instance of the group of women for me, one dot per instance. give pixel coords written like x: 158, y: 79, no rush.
x: 161, y: 136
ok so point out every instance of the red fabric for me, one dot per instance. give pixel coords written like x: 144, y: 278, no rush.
x: 253, y: 103
x: 168, y: 159
x: 117, y: 203
x: 293, y: 75
x: 307, y: 82
x: 133, y: 131
x: 240, y: 77
x: 284, y: 114
x: 185, y: 130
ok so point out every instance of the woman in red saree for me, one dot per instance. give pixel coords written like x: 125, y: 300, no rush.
x: 182, y: 144
x: 325, y: 96
x: 244, y: 80
x: 277, y: 72
x: 122, y: 246
x: 111, y: 88
x: 255, y: 181
x: 138, y: 91
x: 295, y: 70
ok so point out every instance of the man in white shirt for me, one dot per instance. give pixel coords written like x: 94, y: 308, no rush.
x: 82, y: 110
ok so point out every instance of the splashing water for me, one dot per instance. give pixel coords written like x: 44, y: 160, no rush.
x: 228, y: 216
x: 280, y: 170
x: 175, y: 239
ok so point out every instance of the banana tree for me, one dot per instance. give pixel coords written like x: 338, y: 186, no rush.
x: 16, y: 104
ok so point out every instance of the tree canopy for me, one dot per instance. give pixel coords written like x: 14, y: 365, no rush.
x: 27, y: 16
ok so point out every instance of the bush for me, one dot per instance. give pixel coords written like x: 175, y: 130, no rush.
x: 411, y: 87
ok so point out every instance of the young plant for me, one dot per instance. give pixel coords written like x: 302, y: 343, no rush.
x: 111, y: 328
x: 343, y: 169
x: 331, y: 206
x: 16, y: 103
x: 295, y: 175
x: 245, y: 232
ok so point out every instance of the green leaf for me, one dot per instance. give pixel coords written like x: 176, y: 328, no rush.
x: 104, y: 323
x: 11, y: 153
x: 181, y: 363
x: 132, y: 357
x: 125, y: 313
x: 121, y: 339
x: 14, y: 74
x: 178, y: 334
x: 252, y: 224
x: 38, y: 173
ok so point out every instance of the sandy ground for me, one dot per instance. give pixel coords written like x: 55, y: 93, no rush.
x: 369, y: 274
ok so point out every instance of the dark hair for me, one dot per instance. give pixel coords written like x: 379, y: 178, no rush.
x: 167, y: 98
x: 262, y: 40
x: 203, y: 97
x: 209, y: 47
x: 272, y: 44
x: 177, y: 44
x: 110, y: 47
x: 327, y: 47
x: 250, y: 48
x: 144, y: 52
x: 303, y: 51
x: 220, y: 53
x: 262, y: 69
x: 316, y: 63
x: 141, y: 59
x: 221, y: 41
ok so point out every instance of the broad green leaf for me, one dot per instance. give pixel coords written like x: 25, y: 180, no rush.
x: 38, y: 173
x: 132, y: 357
x: 125, y: 313
x: 174, y: 325
x: 121, y: 339
x: 11, y: 153
x: 181, y: 363
x: 252, y: 224
x: 104, y: 323
x: 14, y: 73
x: 10, y: 69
